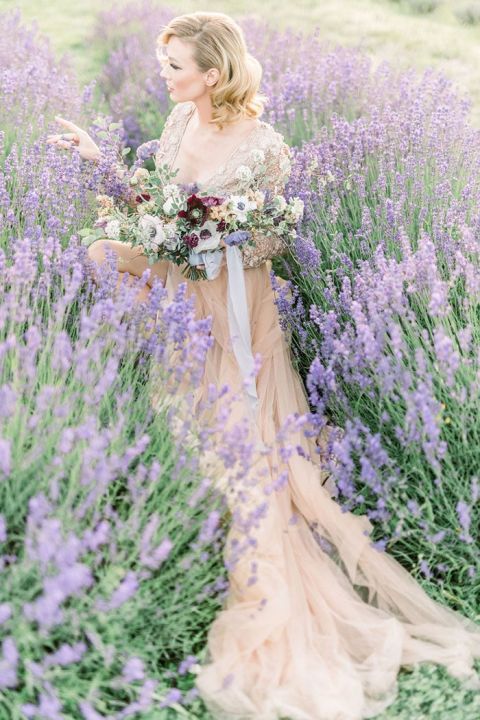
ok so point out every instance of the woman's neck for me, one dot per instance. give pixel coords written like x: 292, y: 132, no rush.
x: 202, y: 116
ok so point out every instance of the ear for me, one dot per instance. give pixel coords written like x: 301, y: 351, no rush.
x: 212, y: 76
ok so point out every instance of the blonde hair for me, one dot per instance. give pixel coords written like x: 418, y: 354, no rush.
x: 218, y: 42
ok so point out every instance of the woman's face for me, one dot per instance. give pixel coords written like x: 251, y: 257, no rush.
x: 184, y: 79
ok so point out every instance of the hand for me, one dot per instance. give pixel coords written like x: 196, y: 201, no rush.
x: 77, y: 139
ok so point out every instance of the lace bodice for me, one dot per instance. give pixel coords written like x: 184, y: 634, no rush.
x: 277, y: 164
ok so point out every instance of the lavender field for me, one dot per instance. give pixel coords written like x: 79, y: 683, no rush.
x: 111, y: 522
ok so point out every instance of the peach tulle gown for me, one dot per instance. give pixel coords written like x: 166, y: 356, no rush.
x: 325, y: 629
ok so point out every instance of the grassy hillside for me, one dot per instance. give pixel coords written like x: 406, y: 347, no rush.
x: 392, y: 30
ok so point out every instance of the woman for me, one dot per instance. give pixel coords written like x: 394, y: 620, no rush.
x: 325, y: 629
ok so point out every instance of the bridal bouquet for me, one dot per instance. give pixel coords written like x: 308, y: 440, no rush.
x: 173, y: 222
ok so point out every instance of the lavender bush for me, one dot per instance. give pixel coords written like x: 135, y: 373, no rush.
x: 112, y: 525
x: 94, y: 564
x: 385, y: 323
x: 130, y: 80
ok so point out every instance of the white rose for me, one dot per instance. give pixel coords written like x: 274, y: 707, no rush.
x: 170, y: 206
x: 141, y: 174
x: 285, y: 164
x: 212, y: 241
x: 171, y: 236
x: 280, y: 203
x: 112, y: 229
x: 170, y: 190
x: 297, y: 207
x: 145, y: 208
x: 152, y: 230
x: 240, y: 206
x: 257, y: 155
x: 243, y: 173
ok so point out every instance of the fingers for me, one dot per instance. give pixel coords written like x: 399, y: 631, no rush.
x: 65, y: 144
x: 63, y: 136
x: 65, y: 141
x: 67, y: 124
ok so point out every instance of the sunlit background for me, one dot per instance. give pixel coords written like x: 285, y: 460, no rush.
x: 443, y: 34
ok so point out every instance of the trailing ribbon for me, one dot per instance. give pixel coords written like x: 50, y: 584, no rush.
x: 237, y: 308
x: 239, y: 324
x: 211, y: 260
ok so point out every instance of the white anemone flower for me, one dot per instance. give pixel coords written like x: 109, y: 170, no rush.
x: 240, y: 205
x: 297, y: 207
x: 152, y: 230
x: 211, y: 239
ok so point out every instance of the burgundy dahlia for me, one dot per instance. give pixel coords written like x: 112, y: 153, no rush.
x: 211, y: 200
x: 143, y: 197
x: 191, y: 240
x: 196, y: 211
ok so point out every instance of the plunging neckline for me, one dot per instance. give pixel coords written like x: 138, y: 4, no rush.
x: 221, y: 167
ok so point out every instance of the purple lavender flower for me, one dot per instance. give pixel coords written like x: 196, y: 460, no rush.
x: 5, y: 612
x: 147, y: 150
x: 5, y: 458
x: 8, y: 664
x: 134, y: 669
x: 238, y: 237
x: 464, y: 517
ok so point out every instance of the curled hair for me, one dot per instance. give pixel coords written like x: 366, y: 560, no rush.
x: 218, y: 42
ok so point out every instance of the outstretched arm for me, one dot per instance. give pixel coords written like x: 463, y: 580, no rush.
x: 115, y: 174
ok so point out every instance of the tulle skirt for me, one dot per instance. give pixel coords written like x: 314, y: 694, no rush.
x: 323, y: 631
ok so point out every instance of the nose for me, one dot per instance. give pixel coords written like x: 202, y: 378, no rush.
x: 164, y: 68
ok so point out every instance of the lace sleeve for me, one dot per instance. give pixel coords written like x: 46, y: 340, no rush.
x: 277, y: 166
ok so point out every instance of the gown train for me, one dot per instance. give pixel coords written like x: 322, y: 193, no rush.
x: 323, y: 631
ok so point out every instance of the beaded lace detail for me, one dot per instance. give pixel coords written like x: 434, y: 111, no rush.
x: 277, y: 168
